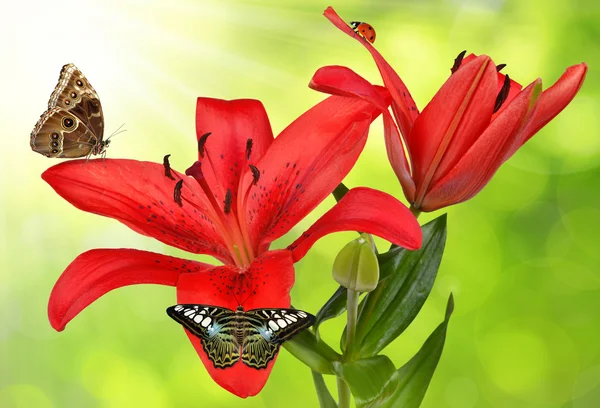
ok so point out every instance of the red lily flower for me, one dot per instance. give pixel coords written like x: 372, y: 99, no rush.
x: 246, y: 190
x: 476, y: 121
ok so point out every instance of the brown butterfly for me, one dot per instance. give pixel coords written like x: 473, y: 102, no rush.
x: 73, y: 125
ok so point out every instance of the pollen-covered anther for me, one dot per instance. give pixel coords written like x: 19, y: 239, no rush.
x: 228, y: 201
x: 458, y: 61
x: 255, y: 174
x: 167, y: 167
x: 249, y: 144
x: 177, y: 193
x: 500, y: 67
x: 201, y: 143
x: 503, y: 94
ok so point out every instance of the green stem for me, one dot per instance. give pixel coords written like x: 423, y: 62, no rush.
x: 352, y: 305
x: 343, y: 393
x: 325, y: 398
x: 352, y: 314
x: 416, y: 212
x: 314, y: 353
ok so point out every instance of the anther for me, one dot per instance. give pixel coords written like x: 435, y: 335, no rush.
x: 255, y: 174
x: 177, y: 193
x: 500, y: 67
x: 248, y: 148
x: 503, y: 94
x: 201, y: 143
x: 167, y: 167
x: 458, y: 61
x: 227, y: 202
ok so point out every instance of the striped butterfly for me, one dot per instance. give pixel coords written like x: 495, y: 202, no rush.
x: 225, y: 334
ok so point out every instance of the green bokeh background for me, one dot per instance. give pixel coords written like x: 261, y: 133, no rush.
x: 522, y: 258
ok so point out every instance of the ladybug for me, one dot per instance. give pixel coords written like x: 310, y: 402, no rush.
x: 364, y: 30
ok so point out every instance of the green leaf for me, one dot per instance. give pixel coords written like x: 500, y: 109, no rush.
x: 408, y: 385
x: 325, y: 398
x: 367, y: 378
x: 407, y: 279
x: 313, y: 352
x: 340, y: 191
x: 335, y: 306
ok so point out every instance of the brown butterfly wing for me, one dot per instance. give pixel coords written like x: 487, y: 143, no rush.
x: 61, y: 134
x: 73, y: 125
x: 75, y: 94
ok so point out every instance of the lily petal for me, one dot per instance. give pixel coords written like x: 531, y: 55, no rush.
x: 403, y: 106
x: 231, y: 124
x: 367, y: 210
x: 265, y: 284
x: 514, y: 90
x: 487, y: 153
x: 556, y: 98
x: 397, y: 157
x: 457, y: 115
x: 340, y: 80
x: 140, y: 196
x: 304, y: 165
x: 97, y: 272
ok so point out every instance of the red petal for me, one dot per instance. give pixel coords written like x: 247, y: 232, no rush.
x: 486, y: 155
x: 265, y: 284
x: 338, y: 80
x: 231, y: 124
x: 304, y: 165
x: 367, y: 210
x: 140, y: 196
x: 404, y: 106
x: 556, y: 98
x: 397, y: 157
x: 451, y: 122
x: 515, y: 87
x: 97, y: 272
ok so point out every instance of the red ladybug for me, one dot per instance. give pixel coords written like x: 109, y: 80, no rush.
x: 364, y: 30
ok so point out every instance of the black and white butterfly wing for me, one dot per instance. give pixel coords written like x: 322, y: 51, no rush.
x: 215, y: 326
x: 265, y: 331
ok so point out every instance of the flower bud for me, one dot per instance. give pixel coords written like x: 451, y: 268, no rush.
x: 356, y: 267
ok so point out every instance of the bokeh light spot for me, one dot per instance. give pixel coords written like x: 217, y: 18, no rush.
x: 462, y: 392
x: 531, y: 359
x: 24, y: 396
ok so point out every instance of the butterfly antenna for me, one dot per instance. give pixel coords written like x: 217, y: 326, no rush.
x: 116, y: 132
x: 249, y: 296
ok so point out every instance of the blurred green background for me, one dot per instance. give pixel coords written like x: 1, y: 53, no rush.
x: 522, y: 258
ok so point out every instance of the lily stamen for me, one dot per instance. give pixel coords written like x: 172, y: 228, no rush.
x: 177, y: 193
x: 201, y: 143
x: 167, y: 167
x: 249, y: 143
x: 503, y: 94
x: 255, y: 174
x: 458, y: 61
x: 227, y: 202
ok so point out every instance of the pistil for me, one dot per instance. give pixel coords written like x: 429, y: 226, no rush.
x: 230, y: 232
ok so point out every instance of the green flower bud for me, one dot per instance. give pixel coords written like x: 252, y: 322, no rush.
x: 356, y: 267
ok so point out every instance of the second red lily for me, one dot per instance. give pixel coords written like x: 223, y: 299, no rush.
x: 476, y: 121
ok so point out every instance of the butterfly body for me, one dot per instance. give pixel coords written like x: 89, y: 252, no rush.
x: 254, y: 335
x: 73, y: 125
